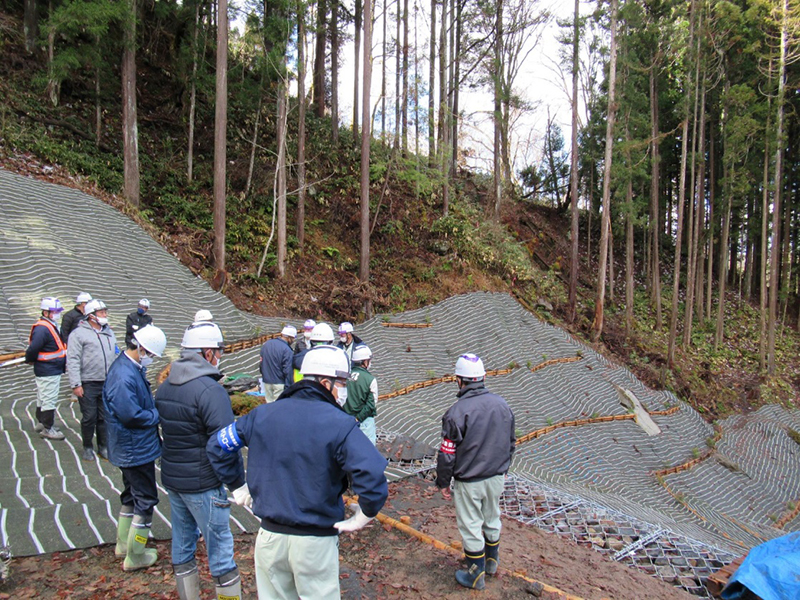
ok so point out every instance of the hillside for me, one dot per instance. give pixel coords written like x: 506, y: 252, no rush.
x: 418, y: 257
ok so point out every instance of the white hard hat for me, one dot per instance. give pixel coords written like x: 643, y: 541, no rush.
x: 326, y: 361
x: 83, y: 297
x: 322, y: 332
x: 93, y: 306
x: 144, y: 302
x: 361, y: 353
x: 202, y: 335
x: 309, y: 324
x: 152, y: 339
x: 470, y: 366
x: 289, y: 331
x: 203, y: 315
x: 345, y: 327
x: 53, y: 304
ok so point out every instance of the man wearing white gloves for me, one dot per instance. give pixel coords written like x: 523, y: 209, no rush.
x: 193, y: 406
x: 301, y: 449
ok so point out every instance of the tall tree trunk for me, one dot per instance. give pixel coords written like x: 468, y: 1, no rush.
x: 676, y: 281
x: 498, y: 108
x: 281, y: 174
x: 30, y: 26
x: 456, y: 87
x: 416, y: 89
x: 776, y: 215
x: 712, y: 184
x: 443, y: 94
x: 301, y: 124
x: 220, y: 142
x: 431, y: 90
x: 694, y: 231
x: 320, y: 44
x: 357, y: 62
x: 366, y: 132
x: 605, y: 226
x: 98, y: 108
x: 573, y: 175
x: 397, y: 75
x: 334, y: 71
x: 130, y: 134
x: 655, y: 212
x: 444, y: 108
x: 53, y: 84
x: 383, y: 68
x: 723, y: 257
x: 762, y: 339
x: 193, y: 95
x: 405, y: 79
x: 629, y: 283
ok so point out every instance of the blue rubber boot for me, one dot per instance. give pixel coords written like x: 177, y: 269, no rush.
x: 492, y: 556
x: 474, y: 576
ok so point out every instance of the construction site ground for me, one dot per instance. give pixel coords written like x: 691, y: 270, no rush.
x: 376, y: 562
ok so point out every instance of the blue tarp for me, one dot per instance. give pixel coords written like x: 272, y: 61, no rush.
x: 771, y: 571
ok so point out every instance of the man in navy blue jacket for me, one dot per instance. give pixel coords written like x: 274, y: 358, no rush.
x: 276, y: 363
x: 134, y: 444
x: 193, y: 406
x: 301, y: 449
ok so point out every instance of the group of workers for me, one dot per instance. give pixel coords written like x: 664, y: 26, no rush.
x: 310, y: 441
x: 281, y: 359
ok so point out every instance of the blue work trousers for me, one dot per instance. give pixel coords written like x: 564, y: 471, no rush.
x: 209, y: 511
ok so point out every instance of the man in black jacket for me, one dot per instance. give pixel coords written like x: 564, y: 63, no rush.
x: 72, y: 317
x: 193, y: 406
x: 477, y: 457
x: 137, y: 320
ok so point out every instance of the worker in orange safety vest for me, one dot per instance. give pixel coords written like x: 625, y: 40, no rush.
x: 48, y: 354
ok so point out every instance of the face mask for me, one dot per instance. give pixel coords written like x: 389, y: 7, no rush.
x: 101, y: 321
x: 307, y: 334
x: 56, y: 317
x: 343, y: 338
x: 140, y: 311
x: 341, y: 395
x: 145, y: 361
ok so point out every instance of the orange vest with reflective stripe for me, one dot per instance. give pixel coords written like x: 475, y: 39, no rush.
x: 62, y: 349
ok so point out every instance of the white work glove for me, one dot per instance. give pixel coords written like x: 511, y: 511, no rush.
x: 354, y: 523
x: 242, y: 497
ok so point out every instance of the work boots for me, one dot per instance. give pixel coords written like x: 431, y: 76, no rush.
x: 123, y: 526
x: 474, y: 576
x: 139, y: 557
x: 492, y: 556
x: 188, y: 580
x: 229, y: 585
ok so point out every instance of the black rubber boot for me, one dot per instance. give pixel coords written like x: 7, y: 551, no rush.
x: 474, y: 576
x: 47, y: 418
x: 492, y: 556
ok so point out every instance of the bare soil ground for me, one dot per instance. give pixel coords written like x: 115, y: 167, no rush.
x: 376, y: 562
